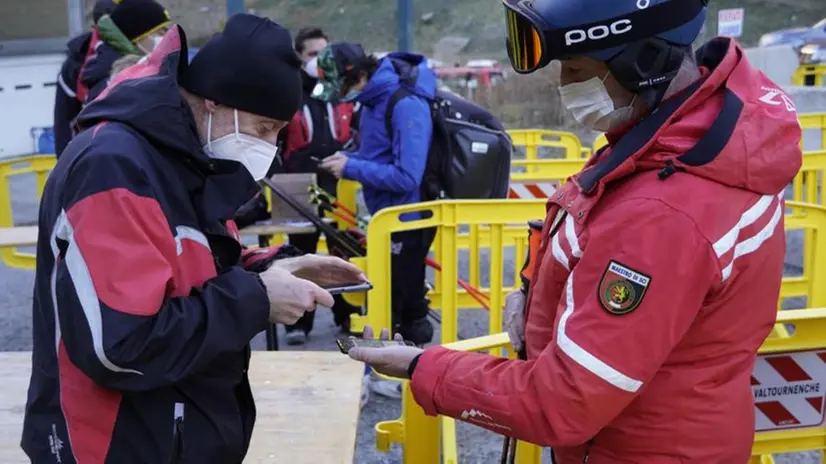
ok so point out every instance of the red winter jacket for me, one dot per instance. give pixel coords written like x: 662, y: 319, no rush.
x: 649, y: 303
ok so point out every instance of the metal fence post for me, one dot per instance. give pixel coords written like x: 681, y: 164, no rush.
x: 404, y: 12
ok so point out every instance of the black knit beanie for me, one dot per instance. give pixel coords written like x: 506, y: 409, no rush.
x: 101, y: 8
x: 139, y: 18
x: 251, y: 66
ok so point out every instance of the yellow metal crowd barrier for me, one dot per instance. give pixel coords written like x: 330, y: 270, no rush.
x: 40, y: 166
x: 424, y: 438
x: 429, y: 440
x: 810, y: 75
x: 499, y: 228
x: 492, y: 220
x: 421, y: 435
x: 534, y: 139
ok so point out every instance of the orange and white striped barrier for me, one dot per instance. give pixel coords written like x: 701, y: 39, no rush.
x: 789, y: 390
x: 532, y: 190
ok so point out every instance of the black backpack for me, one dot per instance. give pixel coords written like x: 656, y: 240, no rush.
x: 470, y: 153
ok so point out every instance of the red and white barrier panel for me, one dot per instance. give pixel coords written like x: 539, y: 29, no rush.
x: 789, y: 390
x: 532, y: 191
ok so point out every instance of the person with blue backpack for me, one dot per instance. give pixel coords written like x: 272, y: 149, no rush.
x: 391, y: 159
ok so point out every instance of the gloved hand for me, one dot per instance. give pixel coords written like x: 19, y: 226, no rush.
x: 515, y: 318
x: 260, y: 259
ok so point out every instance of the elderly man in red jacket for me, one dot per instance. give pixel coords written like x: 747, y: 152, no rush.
x: 661, y: 261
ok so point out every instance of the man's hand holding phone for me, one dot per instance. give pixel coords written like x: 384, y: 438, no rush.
x: 295, y: 285
x: 290, y: 297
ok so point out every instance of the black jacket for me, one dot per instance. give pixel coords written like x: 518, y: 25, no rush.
x: 82, y: 77
x: 142, y: 313
x: 67, y: 105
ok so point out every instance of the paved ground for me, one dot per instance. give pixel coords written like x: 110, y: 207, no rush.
x: 476, y: 446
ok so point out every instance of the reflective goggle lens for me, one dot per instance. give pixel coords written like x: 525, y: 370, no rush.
x: 524, y: 43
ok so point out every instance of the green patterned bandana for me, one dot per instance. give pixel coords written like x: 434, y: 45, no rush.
x: 329, y: 77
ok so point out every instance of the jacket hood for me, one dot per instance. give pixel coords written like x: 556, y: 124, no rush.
x: 400, y: 69
x: 147, y: 98
x: 77, y: 46
x: 108, y: 44
x: 734, y: 126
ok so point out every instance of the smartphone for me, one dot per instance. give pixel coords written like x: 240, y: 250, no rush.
x: 350, y: 288
x: 346, y: 344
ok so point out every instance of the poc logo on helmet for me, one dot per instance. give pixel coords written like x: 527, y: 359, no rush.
x: 575, y: 36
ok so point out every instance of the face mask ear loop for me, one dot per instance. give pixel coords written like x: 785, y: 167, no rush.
x: 237, y: 131
x: 209, y: 131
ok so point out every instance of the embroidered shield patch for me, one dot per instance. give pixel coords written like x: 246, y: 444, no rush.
x: 621, y: 289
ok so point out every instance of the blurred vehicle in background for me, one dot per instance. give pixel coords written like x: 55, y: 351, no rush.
x: 796, y: 37
x: 467, y: 80
x: 813, y: 51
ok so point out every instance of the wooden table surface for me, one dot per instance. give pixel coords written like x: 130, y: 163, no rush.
x: 18, y: 236
x: 273, y: 227
x: 308, y: 407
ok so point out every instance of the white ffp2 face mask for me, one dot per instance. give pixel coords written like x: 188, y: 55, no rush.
x: 311, y: 68
x: 255, y: 154
x: 593, y: 107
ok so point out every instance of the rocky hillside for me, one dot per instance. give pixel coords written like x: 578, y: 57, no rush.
x: 479, y: 22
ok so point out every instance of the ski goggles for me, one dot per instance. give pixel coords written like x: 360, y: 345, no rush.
x: 532, y: 43
x: 525, y: 37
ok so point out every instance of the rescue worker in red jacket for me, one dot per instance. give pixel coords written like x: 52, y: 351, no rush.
x: 660, y: 265
x: 318, y: 130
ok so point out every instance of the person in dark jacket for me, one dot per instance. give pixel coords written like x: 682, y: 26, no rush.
x: 131, y: 27
x: 143, y: 311
x: 67, y: 106
x: 390, y: 167
x: 319, y: 129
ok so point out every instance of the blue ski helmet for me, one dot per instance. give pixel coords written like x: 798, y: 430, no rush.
x: 643, y: 42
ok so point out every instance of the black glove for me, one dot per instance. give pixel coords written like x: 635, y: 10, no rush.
x: 260, y: 259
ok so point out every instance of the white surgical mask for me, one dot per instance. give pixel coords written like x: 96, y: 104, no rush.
x: 156, y: 40
x: 592, y: 106
x: 255, y: 154
x: 311, y: 68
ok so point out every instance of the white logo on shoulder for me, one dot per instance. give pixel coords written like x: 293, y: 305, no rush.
x: 776, y: 97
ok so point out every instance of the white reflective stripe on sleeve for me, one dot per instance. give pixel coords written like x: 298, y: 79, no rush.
x: 584, y: 358
x: 558, y: 253
x: 748, y: 218
x: 53, y: 285
x: 570, y: 234
x: 66, y: 89
x: 188, y: 233
x: 85, y: 290
x: 752, y: 244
